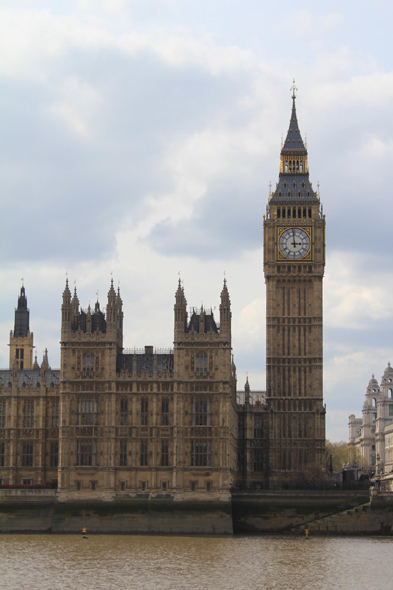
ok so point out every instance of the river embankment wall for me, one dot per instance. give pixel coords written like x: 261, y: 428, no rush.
x: 288, y: 512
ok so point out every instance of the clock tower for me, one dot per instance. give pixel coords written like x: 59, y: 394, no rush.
x: 294, y: 261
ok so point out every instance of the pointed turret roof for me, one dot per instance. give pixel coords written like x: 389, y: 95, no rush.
x: 294, y: 139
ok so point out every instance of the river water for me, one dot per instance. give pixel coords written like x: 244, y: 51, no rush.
x: 67, y: 562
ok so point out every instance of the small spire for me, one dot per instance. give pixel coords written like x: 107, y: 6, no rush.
x: 294, y: 90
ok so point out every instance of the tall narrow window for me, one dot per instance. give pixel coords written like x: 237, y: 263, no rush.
x: 88, y: 363
x: 257, y: 426
x: 201, y: 412
x: 123, y: 411
x: 144, y: 453
x: 165, y: 412
x: 144, y: 412
x: 54, y: 454
x: 201, y: 363
x: 164, y: 453
x: 200, y: 453
x: 2, y: 454
x: 2, y: 414
x: 86, y: 452
x: 87, y: 411
x: 28, y: 414
x: 55, y: 414
x: 27, y: 454
x: 123, y: 453
x: 257, y: 460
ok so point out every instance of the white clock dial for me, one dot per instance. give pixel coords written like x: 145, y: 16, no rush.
x: 294, y: 243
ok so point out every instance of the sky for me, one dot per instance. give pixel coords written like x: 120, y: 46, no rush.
x: 139, y: 138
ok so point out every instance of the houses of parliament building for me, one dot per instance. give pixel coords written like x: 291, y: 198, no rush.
x: 115, y: 422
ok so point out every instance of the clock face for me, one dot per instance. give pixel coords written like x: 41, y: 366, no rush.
x: 294, y: 243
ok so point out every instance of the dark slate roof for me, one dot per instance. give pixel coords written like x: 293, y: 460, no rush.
x: 286, y: 192
x: 144, y: 361
x: 97, y: 320
x: 294, y: 141
x: 210, y: 324
x: 31, y: 377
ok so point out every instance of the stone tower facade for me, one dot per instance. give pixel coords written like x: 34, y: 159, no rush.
x: 294, y: 261
x: 146, y: 421
x: 21, y: 339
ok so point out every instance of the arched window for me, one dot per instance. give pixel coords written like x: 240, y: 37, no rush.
x: 289, y: 213
x: 299, y: 212
x: 278, y: 213
x: 304, y: 212
x: 294, y: 213
x: 88, y: 362
x: 309, y: 212
x: 391, y: 393
x: 286, y: 166
x: 301, y: 166
x: 201, y: 363
x: 283, y: 213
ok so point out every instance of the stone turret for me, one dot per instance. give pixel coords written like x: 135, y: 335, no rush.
x: 21, y: 339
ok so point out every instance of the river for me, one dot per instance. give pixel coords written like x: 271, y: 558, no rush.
x: 68, y: 562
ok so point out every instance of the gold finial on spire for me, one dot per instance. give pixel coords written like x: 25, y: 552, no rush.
x: 97, y: 294
x: 294, y: 90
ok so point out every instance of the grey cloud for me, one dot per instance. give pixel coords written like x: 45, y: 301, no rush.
x: 66, y: 194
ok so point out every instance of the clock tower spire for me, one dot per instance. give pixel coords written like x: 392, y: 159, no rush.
x: 294, y: 260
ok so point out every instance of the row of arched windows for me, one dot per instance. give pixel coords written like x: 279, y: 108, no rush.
x: 293, y: 212
x: 293, y: 166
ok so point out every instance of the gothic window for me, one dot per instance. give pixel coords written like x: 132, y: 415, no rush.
x: 289, y: 194
x: 54, y: 454
x: 303, y: 185
x: 123, y: 453
x: 144, y: 452
x: 294, y: 184
x: 309, y: 212
x: 164, y: 454
x: 55, y: 414
x: 285, y: 185
x: 201, y: 363
x: 294, y: 213
x: 2, y: 455
x: 27, y: 454
x: 301, y: 167
x: 391, y: 393
x: 240, y: 426
x: 257, y: 426
x: 304, y: 212
x: 88, y: 363
x: 278, y: 213
x: 86, y: 452
x: 299, y: 211
x: 240, y: 460
x: 87, y: 411
x: 123, y: 411
x: 201, y: 453
x: 144, y: 412
x: 165, y: 412
x: 257, y: 460
x: 286, y: 166
x: 28, y: 415
x: 2, y: 414
x: 299, y: 194
x: 283, y: 213
x: 297, y: 165
x: 289, y: 210
x: 201, y: 412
